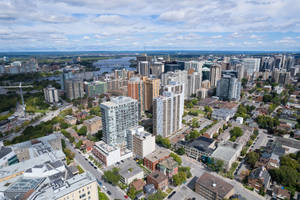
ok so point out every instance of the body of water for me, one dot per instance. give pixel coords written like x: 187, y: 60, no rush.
x: 108, y: 65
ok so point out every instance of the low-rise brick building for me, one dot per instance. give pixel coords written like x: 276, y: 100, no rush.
x: 151, y: 160
x: 158, y: 179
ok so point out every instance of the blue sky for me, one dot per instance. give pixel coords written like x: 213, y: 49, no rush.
x: 149, y: 24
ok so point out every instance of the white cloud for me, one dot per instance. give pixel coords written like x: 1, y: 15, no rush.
x: 172, y: 16
x: 253, y: 36
x: 109, y: 19
x: 86, y: 37
x: 216, y: 36
x: 186, y: 23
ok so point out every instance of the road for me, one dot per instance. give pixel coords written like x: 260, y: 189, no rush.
x: 50, y: 115
x: 197, y: 170
x: 116, y: 192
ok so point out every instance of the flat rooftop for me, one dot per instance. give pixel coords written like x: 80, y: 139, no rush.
x: 226, y: 151
x: 201, y: 143
x: 157, y: 155
x: 158, y: 176
x: 129, y: 168
x: 215, y: 184
x: 105, y: 147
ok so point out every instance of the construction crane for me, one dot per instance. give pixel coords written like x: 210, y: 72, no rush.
x: 21, y: 94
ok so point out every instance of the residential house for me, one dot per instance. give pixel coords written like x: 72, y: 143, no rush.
x: 168, y: 166
x: 158, y: 179
x: 259, y: 178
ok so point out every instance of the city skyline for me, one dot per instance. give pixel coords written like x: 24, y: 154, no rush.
x: 75, y: 25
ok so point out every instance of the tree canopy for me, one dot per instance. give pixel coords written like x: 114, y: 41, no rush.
x: 235, y: 133
x: 251, y: 158
x: 112, y: 176
x: 176, y: 158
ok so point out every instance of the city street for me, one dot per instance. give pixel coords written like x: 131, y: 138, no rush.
x: 116, y: 192
x: 50, y: 115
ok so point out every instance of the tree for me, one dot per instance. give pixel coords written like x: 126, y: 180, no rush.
x: 186, y: 170
x: 132, y: 192
x: 179, y: 178
x: 101, y: 195
x: 267, y: 98
x: 95, y: 111
x: 244, y: 82
x: 99, y: 135
x: 112, y: 176
x: 219, y: 165
x: 285, y: 175
x: 180, y: 151
x: 235, y: 133
x: 267, y: 122
x: 289, y: 162
x: 176, y: 158
x: 165, y: 142
x: 251, y: 158
x: 63, y: 125
x: 208, y: 109
x: 159, y: 195
x: 192, y: 135
x: 82, y: 131
x: 78, y: 144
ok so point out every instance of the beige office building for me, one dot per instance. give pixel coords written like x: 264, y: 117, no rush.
x: 151, y: 90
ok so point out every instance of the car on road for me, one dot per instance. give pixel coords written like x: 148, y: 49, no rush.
x: 172, y: 194
x: 104, y: 188
x: 108, y: 192
x: 100, y: 183
x: 125, y: 196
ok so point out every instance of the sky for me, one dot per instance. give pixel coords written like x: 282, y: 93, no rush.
x: 76, y: 25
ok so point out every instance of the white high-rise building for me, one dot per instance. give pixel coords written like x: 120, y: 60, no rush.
x: 50, y: 94
x: 168, y: 110
x: 140, y: 142
x: 214, y: 75
x: 118, y: 115
x: 251, y: 65
x: 240, y: 71
x: 180, y: 76
x: 194, y: 83
x: 196, y: 65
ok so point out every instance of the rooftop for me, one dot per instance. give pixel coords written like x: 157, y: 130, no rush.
x: 260, y: 173
x: 105, y: 147
x: 22, y: 188
x: 4, y: 151
x: 116, y: 101
x: 129, y: 168
x: 215, y: 184
x: 201, y: 143
x: 169, y: 163
x: 158, y: 176
x: 226, y: 151
x: 92, y: 120
x: 157, y: 155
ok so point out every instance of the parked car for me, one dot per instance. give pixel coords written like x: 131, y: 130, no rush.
x: 170, y: 196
